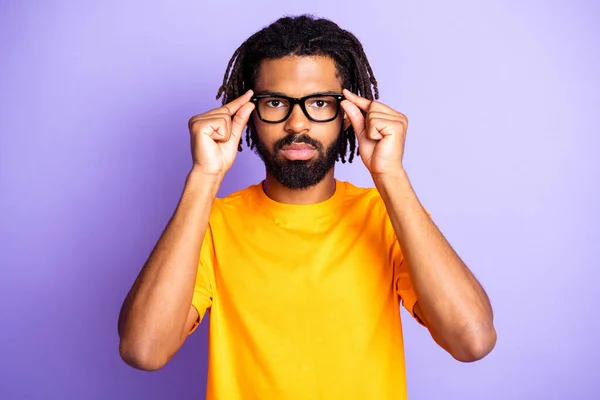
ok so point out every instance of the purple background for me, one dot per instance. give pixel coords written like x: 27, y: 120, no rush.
x: 503, y: 103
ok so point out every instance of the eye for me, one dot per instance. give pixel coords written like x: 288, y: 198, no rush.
x: 320, y: 103
x: 275, y: 103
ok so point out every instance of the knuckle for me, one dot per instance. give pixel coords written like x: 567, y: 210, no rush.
x: 226, y: 122
x: 225, y: 110
x: 192, y: 123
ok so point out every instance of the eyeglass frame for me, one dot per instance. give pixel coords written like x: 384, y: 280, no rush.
x: 297, y: 100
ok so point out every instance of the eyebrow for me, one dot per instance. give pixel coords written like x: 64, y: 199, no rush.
x: 285, y: 95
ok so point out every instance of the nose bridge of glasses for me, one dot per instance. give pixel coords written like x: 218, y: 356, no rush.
x: 298, y: 106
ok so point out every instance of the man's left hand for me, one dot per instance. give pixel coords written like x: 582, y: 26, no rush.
x: 381, y: 133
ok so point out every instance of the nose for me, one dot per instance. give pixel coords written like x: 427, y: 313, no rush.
x: 297, y: 121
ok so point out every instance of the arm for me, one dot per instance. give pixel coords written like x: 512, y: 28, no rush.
x: 452, y: 304
x: 157, y: 315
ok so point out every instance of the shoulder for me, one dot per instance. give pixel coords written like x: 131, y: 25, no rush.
x: 365, y: 207
x: 367, y: 197
x: 234, y: 202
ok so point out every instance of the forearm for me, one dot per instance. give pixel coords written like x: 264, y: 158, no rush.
x: 154, y: 313
x: 456, y: 308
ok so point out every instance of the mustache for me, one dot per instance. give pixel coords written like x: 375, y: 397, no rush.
x: 302, y: 138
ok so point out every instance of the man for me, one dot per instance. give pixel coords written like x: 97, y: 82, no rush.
x: 302, y: 274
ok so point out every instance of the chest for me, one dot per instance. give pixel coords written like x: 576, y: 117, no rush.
x: 270, y: 267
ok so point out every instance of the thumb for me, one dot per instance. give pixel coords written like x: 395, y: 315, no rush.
x: 240, y: 120
x: 356, y: 117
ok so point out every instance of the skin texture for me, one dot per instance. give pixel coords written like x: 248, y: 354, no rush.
x: 157, y: 316
x: 298, y: 77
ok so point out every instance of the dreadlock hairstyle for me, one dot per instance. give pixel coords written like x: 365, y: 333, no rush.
x: 303, y: 35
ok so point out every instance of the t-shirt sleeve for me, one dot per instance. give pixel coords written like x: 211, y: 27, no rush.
x: 203, y: 289
x: 402, y: 282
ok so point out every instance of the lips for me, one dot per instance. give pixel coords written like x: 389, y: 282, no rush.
x: 298, y: 146
x: 298, y: 151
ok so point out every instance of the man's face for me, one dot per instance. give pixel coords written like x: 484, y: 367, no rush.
x: 298, y: 152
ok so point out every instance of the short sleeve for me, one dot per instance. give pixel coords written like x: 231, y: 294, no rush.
x: 203, y: 289
x: 402, y: 282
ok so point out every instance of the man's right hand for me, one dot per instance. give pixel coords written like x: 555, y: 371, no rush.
x: 216, y: 134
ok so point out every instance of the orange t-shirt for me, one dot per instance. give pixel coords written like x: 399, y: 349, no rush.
x: 303, y: 299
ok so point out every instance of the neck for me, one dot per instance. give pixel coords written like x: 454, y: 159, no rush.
x: 314, y: 194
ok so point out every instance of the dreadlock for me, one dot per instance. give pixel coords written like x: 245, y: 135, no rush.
x: 303, y: 35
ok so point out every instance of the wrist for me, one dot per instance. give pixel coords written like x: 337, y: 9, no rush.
x: 198, y: 180
x: 394, y: 178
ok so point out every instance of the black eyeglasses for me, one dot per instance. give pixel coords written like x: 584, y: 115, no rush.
x: 320, y: 107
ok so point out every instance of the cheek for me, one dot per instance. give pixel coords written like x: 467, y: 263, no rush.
x: 331, y: 131
x: 267, y: 133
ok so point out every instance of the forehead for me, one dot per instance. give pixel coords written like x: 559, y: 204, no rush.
x: 298, y: 76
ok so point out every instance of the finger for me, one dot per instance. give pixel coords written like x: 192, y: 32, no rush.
x: 355, y: 116
x: 370, y: 105
x: 217, y: 127
x: 233, y: 106
x: 375, y: 122
x: 196, y: 120
x: 239, y: 123
x: 205, y: 118
x: 240, y: 120
x: 360, y: 102
x: 383, y: 115
x: 377, y: 106
x: 380, y: 127
x: 227, y: 121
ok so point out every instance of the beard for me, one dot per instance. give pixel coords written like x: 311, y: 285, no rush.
x: 298, y: 174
